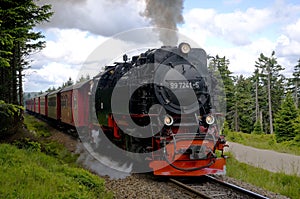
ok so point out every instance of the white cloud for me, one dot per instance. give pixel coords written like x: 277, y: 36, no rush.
x: 52, y: 74
x: 72, y: 53
x: 236, y: 27
x: 105, y: 17
x: 198, y: 24
x: 242, y: 35
x: 242, y: 58
x: 288, y: 44
x: 293, y: 30
x: 229, y: 34
x: 71, y: 46
x: 62, y: 58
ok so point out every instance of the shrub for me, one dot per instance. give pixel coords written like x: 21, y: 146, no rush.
x: 27, y: 143
x: 257, y: 128
x: 226, y: 128
x: 11, y: 119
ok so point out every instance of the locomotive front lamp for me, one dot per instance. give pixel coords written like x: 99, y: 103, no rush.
x: 168, y: 120
x: 185, y: 48
x: 210, y: 119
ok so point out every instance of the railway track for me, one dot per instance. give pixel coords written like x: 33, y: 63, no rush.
x: 208, y: 187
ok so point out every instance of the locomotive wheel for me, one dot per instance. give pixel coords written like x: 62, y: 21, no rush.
x: 131, y: 145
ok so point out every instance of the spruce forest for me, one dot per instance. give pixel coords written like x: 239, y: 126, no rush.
x: 267, y: 102
x: 18, y: 40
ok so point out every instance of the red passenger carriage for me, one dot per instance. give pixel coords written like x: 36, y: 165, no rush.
x: 43, y: 98
x: 66, y: 105
x: 54, y: 111
x: 81, y: 103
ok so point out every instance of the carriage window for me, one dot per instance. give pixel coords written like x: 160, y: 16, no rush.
x: 64, y: 101
x: 52, y: 101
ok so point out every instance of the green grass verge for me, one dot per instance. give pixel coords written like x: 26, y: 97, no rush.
x: 36, y: 127
x: 33, y: 174
x: 281, y: 183
x: 37, y: 140
x: 265, y: 141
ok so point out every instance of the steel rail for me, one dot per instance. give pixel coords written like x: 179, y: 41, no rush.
x: 190, y: 189
x: 222, y: 183
x: 237, y: 188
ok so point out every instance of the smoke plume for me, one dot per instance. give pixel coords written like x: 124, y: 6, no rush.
x: 109, y: 17
x: 165, y: 14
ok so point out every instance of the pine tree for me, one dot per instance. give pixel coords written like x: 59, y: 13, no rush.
x: 82, y: 78
x: 256, y: 83
x: 272, y: 80
x: 284, y: 120
x: 296, y: 81
x: 296, y: 126
x: 17, y: 20
x: 243, y: 114
x: 225, y: 80
x: 67, y: 83
x: 257, y: 128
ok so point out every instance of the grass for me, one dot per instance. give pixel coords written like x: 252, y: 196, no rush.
x: 37, y: 140
x: 33, y: 174
x: 265, y: 141
x: 37, y: 167
x: 39, y: 129
x: 281, y: 183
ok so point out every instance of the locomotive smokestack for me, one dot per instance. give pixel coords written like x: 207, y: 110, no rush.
x: 165, y: 14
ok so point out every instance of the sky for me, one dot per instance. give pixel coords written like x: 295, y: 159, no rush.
x: 237, y: 29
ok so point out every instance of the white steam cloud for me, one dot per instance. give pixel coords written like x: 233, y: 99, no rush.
x: 109, y: 17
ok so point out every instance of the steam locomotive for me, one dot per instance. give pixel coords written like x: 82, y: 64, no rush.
x: 155, y: 108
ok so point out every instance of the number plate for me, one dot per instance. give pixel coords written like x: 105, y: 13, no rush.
x: 183, y: 84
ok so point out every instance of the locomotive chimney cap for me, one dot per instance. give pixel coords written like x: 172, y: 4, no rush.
x: 185, y: 48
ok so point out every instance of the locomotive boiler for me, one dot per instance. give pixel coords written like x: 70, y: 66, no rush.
x: 157, y: 106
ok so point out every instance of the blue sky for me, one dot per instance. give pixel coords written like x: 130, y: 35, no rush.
x: 237, y: 29
x: 232, y: 5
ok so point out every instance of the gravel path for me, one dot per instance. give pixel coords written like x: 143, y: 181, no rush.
x: 266, y: 159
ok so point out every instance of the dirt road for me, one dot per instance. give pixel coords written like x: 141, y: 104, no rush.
x: 266, y: 159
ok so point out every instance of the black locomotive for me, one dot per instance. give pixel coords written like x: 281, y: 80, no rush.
x: 158, y: 103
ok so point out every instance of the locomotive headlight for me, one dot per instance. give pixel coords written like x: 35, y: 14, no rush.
x: 210, y: 119
x: 168, y: 120
x: 184, y: 48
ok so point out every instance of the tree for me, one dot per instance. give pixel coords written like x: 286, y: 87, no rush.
x: 284, y: 120
x: 82, y: 78
x: 243, y: 107
x: 296, y: 81
x: 18, y: 41
x: 270, y: 73
x: 50, y: 89
x: 257, y: 128
x: 220, y: 65
x: 68, y: 83
x: 296, y: 126
x: 257, y: 94
x: 256, y: 82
